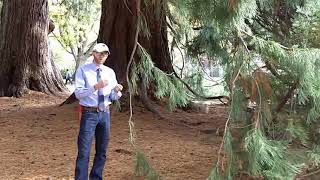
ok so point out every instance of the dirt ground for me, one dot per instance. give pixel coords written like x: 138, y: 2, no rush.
x: 38, y: 140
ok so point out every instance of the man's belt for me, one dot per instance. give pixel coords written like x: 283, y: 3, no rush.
x: 92, y: 109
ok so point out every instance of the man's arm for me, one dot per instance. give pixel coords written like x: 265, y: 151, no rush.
x: 81, y: 91
x: 115, y: 95
x: 116, y: 91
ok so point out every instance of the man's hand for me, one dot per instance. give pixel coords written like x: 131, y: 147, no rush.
x: 118, y: 88
x: 101, y: 84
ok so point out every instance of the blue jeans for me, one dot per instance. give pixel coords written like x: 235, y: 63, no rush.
x: 92, y: 124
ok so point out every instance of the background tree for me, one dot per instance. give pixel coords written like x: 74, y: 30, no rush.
x: 268, y: 73
x: 118, y: 26
x: 76, y: 22
x: 24, y: 50
x: 260, y: 68
x: 306, y: 26
x: 271, y: 73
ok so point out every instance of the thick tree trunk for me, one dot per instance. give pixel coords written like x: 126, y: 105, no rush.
x: 24, y: 52
x: 117, y: 30
x: 157, y: 44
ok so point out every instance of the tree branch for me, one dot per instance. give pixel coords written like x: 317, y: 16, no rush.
x: 145, y: 100
x: 62, y: 44
x: 199, y: 95
x: 89, y: 50
x: 286, y: 97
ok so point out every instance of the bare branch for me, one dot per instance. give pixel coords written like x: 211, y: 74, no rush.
x: 286, y: 97
x: 62, y: 44
x: 199, y: 95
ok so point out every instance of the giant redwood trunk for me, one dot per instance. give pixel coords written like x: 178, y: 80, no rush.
x: 118, y: 27
x: 24, y: 55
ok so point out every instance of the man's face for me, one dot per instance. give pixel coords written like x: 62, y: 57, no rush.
x: 100, y: 57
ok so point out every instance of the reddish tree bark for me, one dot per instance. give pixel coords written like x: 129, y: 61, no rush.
x: 118, y: 27
x: 24, y: 54
x: 117, y: 30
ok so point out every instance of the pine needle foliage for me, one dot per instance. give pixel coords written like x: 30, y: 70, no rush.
x: 166, y: 84
x: 258, y: 139
x: 314, y: 155
x: 143, y: 167
x: 144, y: 26
x: 222, y: 33
x: 297, y: 131
x: 268, y: 158
x: 302, y: 66
x: 230, y: 155
x: 215, y: 174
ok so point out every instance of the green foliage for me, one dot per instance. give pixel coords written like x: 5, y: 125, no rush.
x: 195, y: 79
x: 238, y: 106
x: 143, y: 167
x: 208, y: 41
x: 221, y: 12
x: 117, y: 105
x: 298, y: 132
x: 228, y: 149
x: 144, y: 29
x: 166, y: 84
x: 274, y: 19
x: 258, y: 141
x: 226, y: 32
x: 134, y: 79
x: 300, y: 65
x: 268, y: 158
x: 215, y: 174
x: 306, y: 26
x: 314, y: 155
x: 76, y: 23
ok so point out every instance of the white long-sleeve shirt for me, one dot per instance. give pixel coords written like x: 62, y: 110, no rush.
x: 86, y: 78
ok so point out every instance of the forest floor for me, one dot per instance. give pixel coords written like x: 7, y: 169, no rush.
x: 38, y: 140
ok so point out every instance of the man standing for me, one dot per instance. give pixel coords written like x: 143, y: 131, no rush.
x: 68, y: 76
x: 95, y: 87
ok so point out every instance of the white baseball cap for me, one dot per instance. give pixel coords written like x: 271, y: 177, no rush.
x: 101, y: 47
